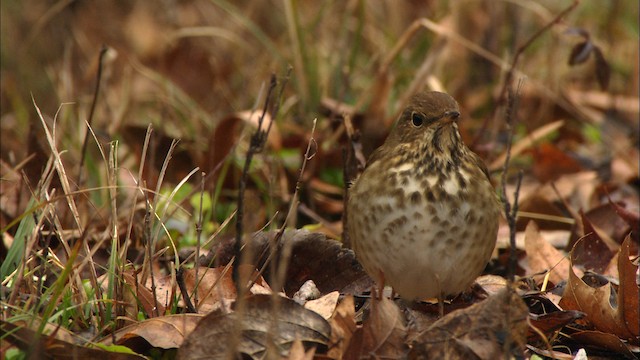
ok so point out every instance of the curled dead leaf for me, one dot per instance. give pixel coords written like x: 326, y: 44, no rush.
x: 482, y: 331
x: 383, y: 333
x: 165, y: 332
x: 257, y: 330
x: 608, y: 311
x: 543, y: 257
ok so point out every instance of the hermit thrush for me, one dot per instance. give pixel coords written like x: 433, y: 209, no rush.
x: 423, y: 216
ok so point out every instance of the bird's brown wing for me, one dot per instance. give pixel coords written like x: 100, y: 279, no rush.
x: 478, y: 161
x: 375, y: 156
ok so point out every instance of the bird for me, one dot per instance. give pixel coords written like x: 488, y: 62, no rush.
x: 423, y: 215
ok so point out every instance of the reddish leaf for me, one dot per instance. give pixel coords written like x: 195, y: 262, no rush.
x: 605, y: 341
x: 383, y: 333
x: 256, y: 330
x: 603, y: 71
x: 343, y: 326
x: 620, y: 318
x: 551, y: 322
x: 594, y: 253
x: 631, y: 217
x: 492, y: 329
x: 551, y: 163
x: 580, y: 53
x: 39, y: 346
x: 165, y: 332
x: 543, y: 257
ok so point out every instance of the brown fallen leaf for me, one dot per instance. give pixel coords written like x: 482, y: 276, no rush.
x: 216, y: 288
x: 594, y: 253
x: 325, y: 305
x: 257, y: 331
x: 136, y: 294
x: 543, y: 257
x: 550, y: 323
x: 343, y: 326
x: 550, y: 162
x: 38, y: 346
x: 482, y: 331
x: 620, y: 318
x: 297, y: 351
x: 382, y: 334
x: 313, y: 256
x: 165, y: 332
x: 605, y: 341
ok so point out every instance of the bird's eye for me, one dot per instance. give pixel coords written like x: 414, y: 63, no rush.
x: 417, y: 119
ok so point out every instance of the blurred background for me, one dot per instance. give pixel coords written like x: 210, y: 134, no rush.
x: 196, y: 68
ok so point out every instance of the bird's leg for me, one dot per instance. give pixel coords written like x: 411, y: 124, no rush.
x: 380, y: 283
x: 440, y: 297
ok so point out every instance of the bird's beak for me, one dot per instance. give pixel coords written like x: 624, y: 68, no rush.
x: 453, y: 115
x: 450, y: 116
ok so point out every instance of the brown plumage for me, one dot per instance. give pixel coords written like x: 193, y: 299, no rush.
x: 423, y: 216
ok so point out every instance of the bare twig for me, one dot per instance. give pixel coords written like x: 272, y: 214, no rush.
x: 257, y: 142
x: 184, y: 291
x: 293, y: 205
x: 511, y: 210
x: 96, y: 91
x: 146, y: 238
x: 256, y: 145
x: 512, y: 68
x: 198, y: 236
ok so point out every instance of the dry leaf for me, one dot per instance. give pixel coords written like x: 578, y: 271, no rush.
x: 343, y: 326
x: 477, y: 332
x: 543, y: 257
x: 297, y: 351
x: 383, y: 332
x: 48, y: 347
x: 166, y: 332
x: 620, y: 318
x: 602, y: 340
x: 257, y: 331
x: 324, y: 306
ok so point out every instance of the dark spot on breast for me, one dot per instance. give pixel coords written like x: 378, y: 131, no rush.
x: 471, y: 218
x: 385, y: 238
x: 429, y: 195
x: 449, y: 167
x: 461, y: 182
x: 397, y: 193
x: 436, y: 140
x: 416, y: 198
x: 442, y: 195
x: 396, y: 223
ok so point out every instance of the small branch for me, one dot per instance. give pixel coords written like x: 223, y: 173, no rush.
x: 507, y: 81
x: 256, y: 145
x: 184, y: 291
x: 510, y: 211
x: 96, y: 91
x: 146, y: 236
x: 278, y: 276
x: 198, y: 236
x: 354, y: 163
